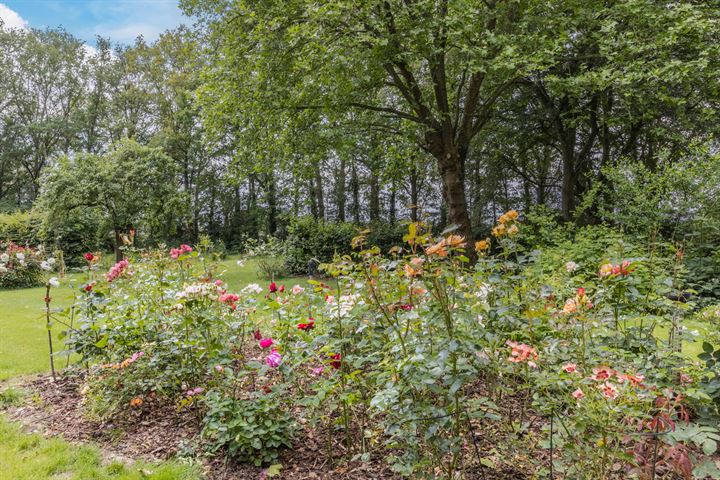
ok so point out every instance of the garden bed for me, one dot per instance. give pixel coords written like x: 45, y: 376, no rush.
x: 160, y: 432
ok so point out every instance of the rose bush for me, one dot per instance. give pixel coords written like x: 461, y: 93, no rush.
x: 416, y: 356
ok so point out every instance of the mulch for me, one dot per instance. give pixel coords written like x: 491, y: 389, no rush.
x: 158, y: 432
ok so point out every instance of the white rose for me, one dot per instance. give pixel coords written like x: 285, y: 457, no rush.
x: 45, y: 266
x: 51, y: 261
x: 54, y: 282
x: 571, y: 266
x: 5, y: 257
x: 20, y: 256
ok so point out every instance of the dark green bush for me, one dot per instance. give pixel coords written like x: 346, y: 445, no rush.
x: 311, y: 240
x: 22, y: 228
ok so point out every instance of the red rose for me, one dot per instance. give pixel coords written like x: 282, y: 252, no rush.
x: 89, y: 257
x: 336, y: 361
x: 273, y: 287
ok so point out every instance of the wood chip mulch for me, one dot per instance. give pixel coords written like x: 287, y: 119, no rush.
x: 158, y: 432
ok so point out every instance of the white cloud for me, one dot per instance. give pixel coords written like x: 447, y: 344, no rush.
x: 10, y: 18
x: 127, y: 33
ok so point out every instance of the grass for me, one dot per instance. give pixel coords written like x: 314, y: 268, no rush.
x: 32, y: 457
x: 24, y: 350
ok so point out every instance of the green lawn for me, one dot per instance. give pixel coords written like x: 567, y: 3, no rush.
x: 31, y: 457
x: 24, y: 350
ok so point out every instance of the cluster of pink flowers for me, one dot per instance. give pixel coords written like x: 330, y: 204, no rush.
x: 522, y: 353
x: 229, y: 298
x: 609, y: 270
x: 274, y: 359
x: 603, y: 375
x: 194, y: 391
x: 182, y: 250
x: 117, y: 270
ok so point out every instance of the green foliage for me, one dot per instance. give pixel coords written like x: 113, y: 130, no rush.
x: 253, y: 429
x: 312, y: 242
x: 22, y: 228
x: 109, y: 189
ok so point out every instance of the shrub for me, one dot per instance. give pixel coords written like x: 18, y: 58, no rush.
x: 270, y: 255
x: 310, y: 242
x: 22, y: 228
x: 22, y: 267
x: 252, y: 429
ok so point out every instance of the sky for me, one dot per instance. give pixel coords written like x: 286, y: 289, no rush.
x: 120, y: 20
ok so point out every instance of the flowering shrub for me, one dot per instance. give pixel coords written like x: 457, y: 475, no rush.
x: 22, y: 267
x: 414, y: 354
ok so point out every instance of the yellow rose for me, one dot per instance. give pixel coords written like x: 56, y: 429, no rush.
x: 482, y: 245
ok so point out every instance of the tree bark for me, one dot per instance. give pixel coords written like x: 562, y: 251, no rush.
x: 340, y: 190
x: 374, y: 196
x: 450, y: 166
x: 319, y: 193
x: 355, y: 187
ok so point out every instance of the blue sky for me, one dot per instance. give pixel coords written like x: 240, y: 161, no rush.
x: 121, y: 20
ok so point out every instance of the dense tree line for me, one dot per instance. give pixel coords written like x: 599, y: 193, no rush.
x: 373, y: 112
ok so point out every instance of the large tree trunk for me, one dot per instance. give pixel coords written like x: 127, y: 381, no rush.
x: 450, y: 166
x: 118, y: 244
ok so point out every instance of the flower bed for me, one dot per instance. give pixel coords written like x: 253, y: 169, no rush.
x: 414, y: 357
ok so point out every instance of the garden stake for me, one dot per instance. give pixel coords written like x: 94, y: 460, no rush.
x: 552, y: 416
x: 48, y: 327
x: 72, y: 320
x: 655, y: 450
x: 477, y: 450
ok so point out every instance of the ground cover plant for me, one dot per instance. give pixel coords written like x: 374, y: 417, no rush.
x: 417, y: 359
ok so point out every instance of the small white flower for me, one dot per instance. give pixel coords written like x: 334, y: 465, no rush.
x: 45, y: 266
x: 51, y: 261
x: 54, y: 282
x: 20, y: 256
x: 571, y: 266
x: 252, y: 288
x: 5, y: 257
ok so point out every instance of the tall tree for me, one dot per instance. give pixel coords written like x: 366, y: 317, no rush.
x: 438, y: 64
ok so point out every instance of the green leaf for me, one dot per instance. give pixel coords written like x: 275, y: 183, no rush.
x: 273, y: 470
